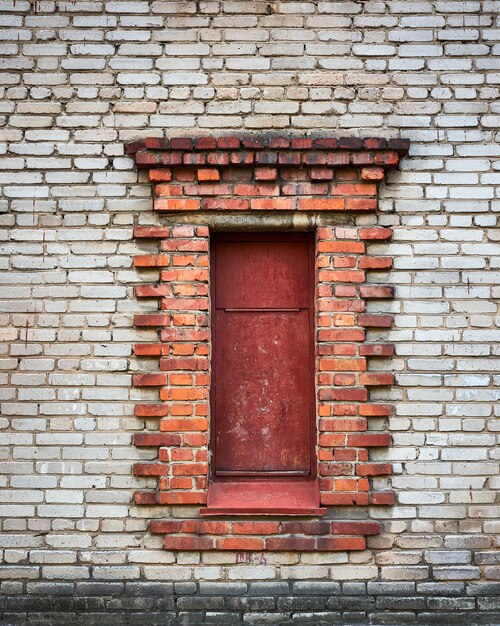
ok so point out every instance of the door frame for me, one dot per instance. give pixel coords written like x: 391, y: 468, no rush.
x: 271, y: 237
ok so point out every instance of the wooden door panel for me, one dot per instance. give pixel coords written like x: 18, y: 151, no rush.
x: 263, y: 379
x: 262, y: 275
x: 262, y: 398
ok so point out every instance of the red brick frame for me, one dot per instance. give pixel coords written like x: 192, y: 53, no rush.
x: 273, y: 174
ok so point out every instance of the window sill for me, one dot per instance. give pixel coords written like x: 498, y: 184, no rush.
x: 263, y: 497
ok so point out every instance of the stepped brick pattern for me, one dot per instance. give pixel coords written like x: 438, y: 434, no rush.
x: 86, y: 86
x: 182, y: 182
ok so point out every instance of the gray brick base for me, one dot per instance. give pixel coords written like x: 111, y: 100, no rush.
x: 283, y: 603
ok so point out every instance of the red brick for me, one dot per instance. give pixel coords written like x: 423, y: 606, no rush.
x: 354, y: 247
x: 190, y: 364
x: 400, y: 144
x: 228, y: 143
x: 375, y: 233
x: 321, y: 173
x: 266, y: 173
x: 185, y: 393
x: 373, y: 469
x: 340, y: 543
x: 345, y: 455
x: 185, y: 304
x: 341, y: 335
x: 301, y: 143
x: 151, y: 260
x: 255, y: 528
x: 205, y: 143
x: 160, y: 527
x: 239, y: 543
x: 372, y: 173
x: 375, y: 410
x: 334, y: 469
x: 218, y: 158
x: 376, y: 349
x: 162, y: 191
x: 134, y: 146
x: 353, y: 189
x: 185, y: 275
x: 342, y: 364
x: 374, y: 143
x: 147, y: 159
x: 177, y: 204
x: 344, y: 395
x: 344, y: 499
x: 156, y: 439
x: 149, y: 380
x: 273, y: 204
x: 382, y: 498
x: 343, y: 425
x: 292, y: 544
x: 363, y: 158
x: 325, y: 143
x: 389, y: 159
x: 375, y: 263
x: 147, y: 498
x: 369, y: 440
x: 344, y: 409
x: 374, y: 379
x: 184, y: 334
x: 184, y: 245
x: 188, y: 543
x: 261, y: 189
x: 375, y: 321
x: 303, y: 189
x: 314, y: 527
x: 328, y: 440
x: 152, y: 319
x: 151, y: 232
x: 241, y: 158
x: 182, y: 497
x: 184, y: 425
x: 354, y: 306
x: 361, y: 204
x: 209, y: 527
x: 195, y: 439
x: 225, y: 204
x: 189, y: 469
x: 345, y: 291
x: 151, y: 291
x: 151, y: 410
x: 320, y: 204
x: 163, y: 175
x: 206, y: 189
x: 289, y: 158
x: 341, y: 276
x: 337, y: 159
x: 376, y: 291
x: 151, y: 469
x: 148, y: 349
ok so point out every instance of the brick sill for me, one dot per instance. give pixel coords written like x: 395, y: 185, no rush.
x: 257, y: 497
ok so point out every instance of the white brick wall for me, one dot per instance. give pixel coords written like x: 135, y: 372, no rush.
x: 77, y: 80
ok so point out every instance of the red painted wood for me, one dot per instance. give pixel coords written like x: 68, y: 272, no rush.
x: 263, y: 378
x: 263, y: 497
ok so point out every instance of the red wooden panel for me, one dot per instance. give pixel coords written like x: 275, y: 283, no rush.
x: 263, y: 393
x: 273, y: 273
x: 263, y: 497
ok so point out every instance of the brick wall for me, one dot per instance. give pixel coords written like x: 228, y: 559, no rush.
x: 79, y: 80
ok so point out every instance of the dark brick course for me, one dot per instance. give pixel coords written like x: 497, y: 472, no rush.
x: 287, y: 603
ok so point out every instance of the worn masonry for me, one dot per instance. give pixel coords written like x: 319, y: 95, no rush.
x: 135, y: 138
